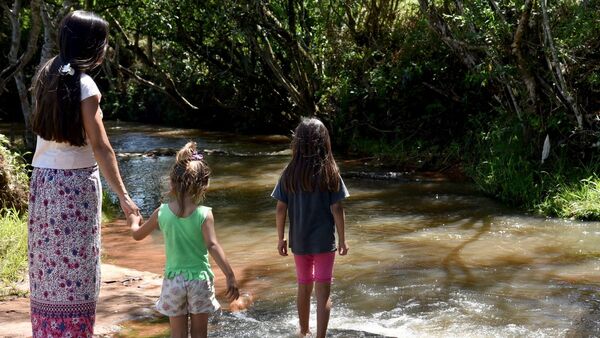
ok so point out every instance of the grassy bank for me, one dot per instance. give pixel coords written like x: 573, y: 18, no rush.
x: 14, y: 187
x: 507, y: 164
x: 579, y: 199
x: 13, y: 251
x: 503, y: 165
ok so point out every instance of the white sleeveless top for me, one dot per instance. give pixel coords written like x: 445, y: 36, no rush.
x: 54, y: 155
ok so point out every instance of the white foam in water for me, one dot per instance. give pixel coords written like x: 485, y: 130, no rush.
x: 243, y: 316
x: 446, y: 323
x: 393, y: 327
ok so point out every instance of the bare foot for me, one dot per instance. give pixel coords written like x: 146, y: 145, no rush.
x: 304, y: 335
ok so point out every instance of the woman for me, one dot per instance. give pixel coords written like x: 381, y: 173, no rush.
x: 66, y: 194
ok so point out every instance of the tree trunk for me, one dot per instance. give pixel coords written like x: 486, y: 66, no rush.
x: 556, y: 68
x: 149, y: 50
x: 49, y: 46
x: 17, y: 64
x: 439, y: 25
x: 170, y: 87
x: 522, y: 62
x: 15, y: 19
x: 301, y: 79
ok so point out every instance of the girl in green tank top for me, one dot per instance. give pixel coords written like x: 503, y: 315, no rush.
x: 189, y: 234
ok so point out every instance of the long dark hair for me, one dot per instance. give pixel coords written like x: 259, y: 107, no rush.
x: 57, y: 112
x: 312, y: 165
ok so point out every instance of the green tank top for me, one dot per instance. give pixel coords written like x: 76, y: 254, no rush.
x: 184, y: 244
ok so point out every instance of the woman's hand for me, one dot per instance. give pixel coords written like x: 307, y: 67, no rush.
x: 233, y: 292
x: 129, y: 207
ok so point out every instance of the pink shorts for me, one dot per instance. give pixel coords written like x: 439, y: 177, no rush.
x: 314, y: 267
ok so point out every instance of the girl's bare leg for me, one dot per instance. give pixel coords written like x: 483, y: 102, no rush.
x: 199, y: 325
x: 323, y: 290
x: 303, y: 303
x: 179, y: 326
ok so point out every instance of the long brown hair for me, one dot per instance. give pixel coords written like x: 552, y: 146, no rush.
x: 57, y: 112
x: 189, y: 176
x: 312, y: 163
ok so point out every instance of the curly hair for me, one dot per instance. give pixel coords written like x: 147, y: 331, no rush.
x: 189, y: 176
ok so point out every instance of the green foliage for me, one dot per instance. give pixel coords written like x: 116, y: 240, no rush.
x: 498, y: 162
x: 13, y: 251
x: 14, y: 182
x: 418, y: 84
x: 381, y: 105
x: 200, y: 48
x: 580, y: 199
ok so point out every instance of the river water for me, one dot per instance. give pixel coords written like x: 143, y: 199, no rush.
x: 428, y: 257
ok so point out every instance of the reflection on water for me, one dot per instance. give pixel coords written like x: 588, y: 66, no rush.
x: 426, y: 258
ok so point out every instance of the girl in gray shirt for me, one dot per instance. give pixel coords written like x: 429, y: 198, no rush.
x: 310, y: 191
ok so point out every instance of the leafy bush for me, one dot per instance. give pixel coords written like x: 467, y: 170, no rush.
x: 14, y: 181
x: 499, y: 163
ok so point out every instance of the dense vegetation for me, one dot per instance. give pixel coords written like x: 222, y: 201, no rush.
x: 13, y: 252
x: 13, y: 225
x: 14, y: 182
x: 507, y: 90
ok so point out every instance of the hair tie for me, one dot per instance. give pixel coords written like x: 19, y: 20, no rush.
x: 196, y: 156
x: 66, y: 70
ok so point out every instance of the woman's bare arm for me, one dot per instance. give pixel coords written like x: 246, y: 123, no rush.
x: 103, y: 151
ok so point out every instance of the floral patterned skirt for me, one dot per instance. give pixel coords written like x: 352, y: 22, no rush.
x: 64, y: 251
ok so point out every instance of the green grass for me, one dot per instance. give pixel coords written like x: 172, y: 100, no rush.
x: 13, y: 251
x: 111, y: 210
x: 579, y: 200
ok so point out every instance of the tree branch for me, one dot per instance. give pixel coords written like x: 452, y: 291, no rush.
x: 16, y: 65
x: 517, y: 50
x: 439, y: 25
x: 171, y: 87
x: 556, y: 67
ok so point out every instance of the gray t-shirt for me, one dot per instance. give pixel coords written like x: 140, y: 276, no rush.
x: 312, y: 228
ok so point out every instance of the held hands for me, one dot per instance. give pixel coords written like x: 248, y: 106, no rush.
x: 343, y: 248
x: 134, y: 220
x: 282, y: 247
x: 233, y: 292
x: 129, y: 207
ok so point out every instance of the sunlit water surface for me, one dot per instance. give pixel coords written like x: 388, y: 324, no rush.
x: 427, y: 258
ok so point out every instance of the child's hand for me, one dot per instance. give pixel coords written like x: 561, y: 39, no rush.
x: 282, y: 247
x: 233, y: 292
x: 343, y: 248
x: 134, y: 219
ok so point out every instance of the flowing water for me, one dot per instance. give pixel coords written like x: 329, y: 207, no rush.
x: 428, y: 257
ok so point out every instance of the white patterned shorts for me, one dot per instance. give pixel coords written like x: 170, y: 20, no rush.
x: 179, y: 297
